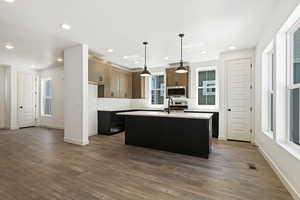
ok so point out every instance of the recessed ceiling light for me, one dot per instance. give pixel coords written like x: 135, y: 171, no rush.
x: 125, y: 57
x: 203, y: 52
x: 136, y: 62
x: 166, y: 58
x: 9, y: 46
x: 66, y: 26
x: 9, y: 1
x: 232, y: 47
x: 59, y: 59
x: 33, y: 66
x: 110, y: 50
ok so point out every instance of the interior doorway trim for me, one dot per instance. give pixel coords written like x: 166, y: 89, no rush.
x: 252, y: 96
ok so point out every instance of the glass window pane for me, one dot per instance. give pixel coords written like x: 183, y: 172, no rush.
x: 202, y: 77
x: 157, y: 89
x: 48, y: 88
x: 211, y: 75
x: 207, y: 90
x: 297, y: 72
x: 157, y: 97
x: 47, y: 97
x: 47, y: 107
x: 271, y: 112
x: 296, y: 59
x: 202, y: 99
x: 211, y: 100
x: 294, y: 115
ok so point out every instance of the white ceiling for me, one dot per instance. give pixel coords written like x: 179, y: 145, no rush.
x: 33, y: 27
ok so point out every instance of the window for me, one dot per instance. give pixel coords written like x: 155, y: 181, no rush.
x: 294, y: 86
x: 207, y: 87
x: 157, y: 89
x: 47, y: 96
x: 269, y: 90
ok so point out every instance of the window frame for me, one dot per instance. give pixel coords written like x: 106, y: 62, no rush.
x: 290, y: 81
x: 150, y: 89
x: 269, y: 90
x: 203, y: 69
x: 43, y: 97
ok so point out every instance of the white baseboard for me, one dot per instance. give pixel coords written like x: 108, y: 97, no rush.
x: 222, y: 138
x: 93, y: 134
x: 75, y: 141
x: 14, y: 128
x: 281, y: 176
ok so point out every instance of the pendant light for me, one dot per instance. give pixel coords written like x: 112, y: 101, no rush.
x: 145, y: 72
x: 181, y: 69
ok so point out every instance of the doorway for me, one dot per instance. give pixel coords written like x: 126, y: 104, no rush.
x: 239, y: 103
x: 27, y: 99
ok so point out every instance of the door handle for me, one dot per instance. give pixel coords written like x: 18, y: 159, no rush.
x: 21, y: 107
x: 229, y: 109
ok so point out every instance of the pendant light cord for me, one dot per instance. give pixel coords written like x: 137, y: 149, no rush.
x: 181, y: 61
x: 181, y: 35
x: 145, y: 55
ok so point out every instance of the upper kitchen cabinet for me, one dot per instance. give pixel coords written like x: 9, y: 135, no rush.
x: 176, y: 79
x: 138, y: 86
x: 125, y: 84
x: 112, y: 82
x: 98, y: 70
x: 99, y: 75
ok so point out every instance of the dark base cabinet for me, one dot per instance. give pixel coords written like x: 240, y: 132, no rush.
x: 215, y: 122
x: 110, y: 123
x: 178, y: 135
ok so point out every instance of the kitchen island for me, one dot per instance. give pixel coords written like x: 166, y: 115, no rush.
x: 178, y: 132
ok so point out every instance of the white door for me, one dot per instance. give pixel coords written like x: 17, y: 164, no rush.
x: 239, y: 99
x: 26, y: 99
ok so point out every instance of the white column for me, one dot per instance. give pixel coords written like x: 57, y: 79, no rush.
x: 76, y: 95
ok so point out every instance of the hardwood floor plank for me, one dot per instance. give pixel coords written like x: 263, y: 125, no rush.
x: 36, y: 164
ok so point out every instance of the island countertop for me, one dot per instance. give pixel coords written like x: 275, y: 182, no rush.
x: 171, y: 115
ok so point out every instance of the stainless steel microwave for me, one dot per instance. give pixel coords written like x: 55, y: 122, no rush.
x: 178, y: 91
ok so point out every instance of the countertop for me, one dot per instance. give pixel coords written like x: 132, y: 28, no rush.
x: 127, y: 109
x: 171, y: 115
x: 156, y: 109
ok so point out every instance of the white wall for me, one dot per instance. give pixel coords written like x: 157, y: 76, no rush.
x: 285, y: 164
x: 2, y: 97
x: 56, y: 120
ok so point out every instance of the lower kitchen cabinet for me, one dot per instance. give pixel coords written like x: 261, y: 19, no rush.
x: 215, y: 122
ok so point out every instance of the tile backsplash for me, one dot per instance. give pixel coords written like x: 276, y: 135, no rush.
x: 113, y: 104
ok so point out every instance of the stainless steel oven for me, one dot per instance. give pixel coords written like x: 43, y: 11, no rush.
x: 178, y: 91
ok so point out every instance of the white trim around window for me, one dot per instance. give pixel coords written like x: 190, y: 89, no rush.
x: 163, y: 89
x: 284, y: 82
x: 291, y: 85
x: 208, y: 107
x: 44, y: 98
x: 268, y: 91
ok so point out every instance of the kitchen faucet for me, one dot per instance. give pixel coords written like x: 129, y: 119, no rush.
x: 170, y: 101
